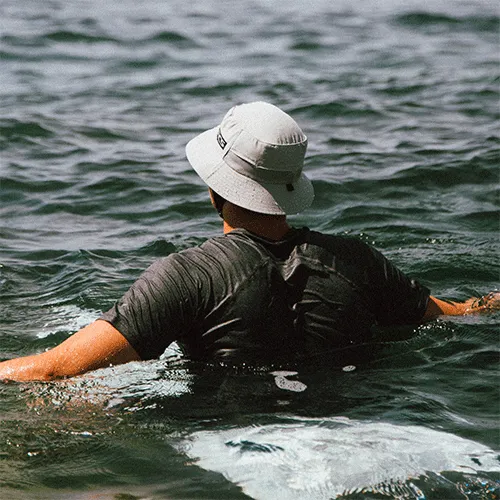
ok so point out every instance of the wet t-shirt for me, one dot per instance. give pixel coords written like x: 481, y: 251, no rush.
x: 242, y: 298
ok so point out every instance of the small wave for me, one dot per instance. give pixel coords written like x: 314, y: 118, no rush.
x: 106, y: 166
x: 397, y: 90
x: 173, y: 38
x: 77, y: 37
x: 104, y: 134
x: 138, y: 64
x: 22, y: 41
x: 11, y: 186
x: 111, y: 185
x: 157, y: 248
x: 60, y: 36
x: 421, y: 19
x: 339, y: 109
x: 340, y: 141
x: 14, y: 129
x: 225, y: 89
x: 307, y: 46
x: 444, y: 171
x: 162, y: 84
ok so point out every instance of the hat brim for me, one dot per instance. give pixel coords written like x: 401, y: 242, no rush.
x: 205, y: 156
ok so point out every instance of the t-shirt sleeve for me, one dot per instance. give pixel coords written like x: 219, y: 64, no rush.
x: 396, y: 298
x: 157, y: 308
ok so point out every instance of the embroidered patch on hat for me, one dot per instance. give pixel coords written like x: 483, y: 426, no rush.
x: 222, y: 142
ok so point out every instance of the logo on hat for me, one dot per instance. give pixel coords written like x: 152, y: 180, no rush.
x: 222, y: 142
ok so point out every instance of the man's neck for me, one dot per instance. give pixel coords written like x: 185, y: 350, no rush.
x: 272, y: 227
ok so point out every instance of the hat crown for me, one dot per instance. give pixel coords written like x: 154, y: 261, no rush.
x: 258, y: 139
x: 266, y: 122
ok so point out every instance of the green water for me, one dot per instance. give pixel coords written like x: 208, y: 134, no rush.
x: 400, y: 101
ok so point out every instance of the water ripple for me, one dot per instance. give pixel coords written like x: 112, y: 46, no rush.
x: 426, y: 21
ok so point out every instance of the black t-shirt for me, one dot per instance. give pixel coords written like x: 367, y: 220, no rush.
x: 242, y: 298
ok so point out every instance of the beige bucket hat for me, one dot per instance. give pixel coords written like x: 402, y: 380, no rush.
x: 254, y: 159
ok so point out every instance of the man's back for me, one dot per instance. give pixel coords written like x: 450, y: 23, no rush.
x: 242, y: 298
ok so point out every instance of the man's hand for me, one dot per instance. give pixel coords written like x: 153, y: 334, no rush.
x: 96, y: 346
x: 437, y: 307
x: 490, y: 302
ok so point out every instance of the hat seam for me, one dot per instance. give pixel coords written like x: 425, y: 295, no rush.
x: 272, y: 144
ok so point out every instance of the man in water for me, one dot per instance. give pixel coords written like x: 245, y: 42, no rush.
x: 264, y: 291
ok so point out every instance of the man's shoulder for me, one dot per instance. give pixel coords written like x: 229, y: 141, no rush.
x: 230, y: 244
x: 218, y: 255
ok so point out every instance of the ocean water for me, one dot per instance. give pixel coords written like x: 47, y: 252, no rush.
x: 400, y: 101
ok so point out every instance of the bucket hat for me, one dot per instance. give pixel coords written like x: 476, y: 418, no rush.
x: 254, y: 159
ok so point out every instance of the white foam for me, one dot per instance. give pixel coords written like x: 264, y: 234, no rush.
x: 319, y: 459
x: 67, y: 318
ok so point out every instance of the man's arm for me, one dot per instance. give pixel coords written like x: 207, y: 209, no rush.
x: 96, y: 346
x: 437, y: 307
